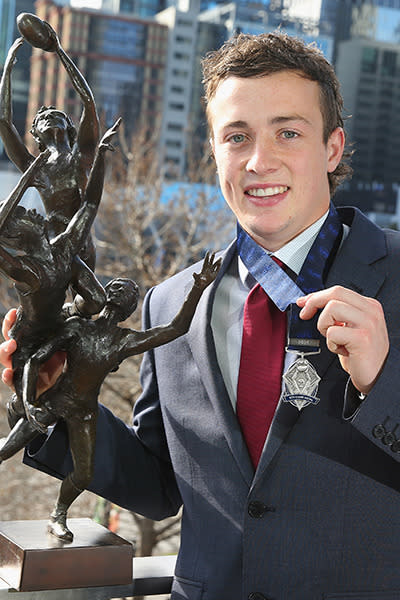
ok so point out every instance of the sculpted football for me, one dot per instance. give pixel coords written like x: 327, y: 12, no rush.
x: 37, y: 32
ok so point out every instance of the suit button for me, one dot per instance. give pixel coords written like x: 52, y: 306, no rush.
x: 395, y: 447
x: 389, y: 439
x: 257, y: 509
x: 379, y: 431
x: 256, y: 596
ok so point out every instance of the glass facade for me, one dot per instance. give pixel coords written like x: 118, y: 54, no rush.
x: 115, y: 37
x: 118, y: 68
x: 9, y: 9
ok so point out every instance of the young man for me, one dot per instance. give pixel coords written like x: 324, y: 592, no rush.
x: 315, y: 513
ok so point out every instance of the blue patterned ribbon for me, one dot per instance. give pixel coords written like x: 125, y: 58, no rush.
x: 303, y: 336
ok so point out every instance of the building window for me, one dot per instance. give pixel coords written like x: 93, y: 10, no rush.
x: 180, y: 73
x: 173, y: 144
x: 369, y: 60
x: 176, y: 106
x: 175, y: 127
x: 389, y: 63
x: 181, y: 55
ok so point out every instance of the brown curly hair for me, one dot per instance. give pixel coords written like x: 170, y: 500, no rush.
x: 248, y: 55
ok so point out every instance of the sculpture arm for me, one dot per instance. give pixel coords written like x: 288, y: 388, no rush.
x: 15, y: 147
x: 141, y: 341
x: 89, y: 129
x: 79, y: 227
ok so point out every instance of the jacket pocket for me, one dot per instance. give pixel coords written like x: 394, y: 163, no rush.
x: 388, y: 595
x: 186, y: 589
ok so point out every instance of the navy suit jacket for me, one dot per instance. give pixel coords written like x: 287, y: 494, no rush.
x: 320, y: 518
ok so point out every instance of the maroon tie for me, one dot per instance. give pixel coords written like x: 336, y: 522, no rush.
x: 261, y: 365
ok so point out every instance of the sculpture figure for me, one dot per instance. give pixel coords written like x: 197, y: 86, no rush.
x: 94, y: 348
x: 63, y: 176
x: 43, y: 267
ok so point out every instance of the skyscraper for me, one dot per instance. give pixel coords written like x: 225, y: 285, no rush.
x: 121, y: 56
x: 9, y: 9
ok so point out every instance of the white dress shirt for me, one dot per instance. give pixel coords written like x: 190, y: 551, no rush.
x: 231, y: 294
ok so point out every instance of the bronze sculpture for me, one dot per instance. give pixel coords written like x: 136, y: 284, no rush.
x: 69, y: 176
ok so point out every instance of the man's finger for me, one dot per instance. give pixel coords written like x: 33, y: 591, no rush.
x: 8, y: 377
x: 8, y: 322
x: 6, y: 351
x: 340, y: 314
x: 317, y: 300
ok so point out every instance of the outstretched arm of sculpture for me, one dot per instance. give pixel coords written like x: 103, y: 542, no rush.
x: 12, y: 140
x: 141, y: 341
x: 79, y: 227
x: 89, y: 129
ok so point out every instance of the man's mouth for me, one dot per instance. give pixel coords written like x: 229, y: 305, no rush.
x: 266, y: 192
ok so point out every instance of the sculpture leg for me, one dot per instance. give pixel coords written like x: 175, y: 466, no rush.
x: 15, y: 407
x: 82, y: 438
x: 15, y: 410
x: 22, y: 434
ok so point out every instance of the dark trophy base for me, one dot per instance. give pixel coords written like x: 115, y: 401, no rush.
x: 31, y: 559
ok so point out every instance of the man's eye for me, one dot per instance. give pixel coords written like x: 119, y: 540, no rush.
x: 237, y: 138
x: 288, y: 135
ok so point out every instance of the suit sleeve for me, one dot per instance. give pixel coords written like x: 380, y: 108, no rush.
x: 378, y: 415
x: 132, y: 463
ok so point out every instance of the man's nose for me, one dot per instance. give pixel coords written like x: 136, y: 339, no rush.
x: 263, y: 158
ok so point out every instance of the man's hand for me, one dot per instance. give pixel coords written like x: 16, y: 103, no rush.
x: 208, y: 272
x: 49, y: 372
x: 355, y: 329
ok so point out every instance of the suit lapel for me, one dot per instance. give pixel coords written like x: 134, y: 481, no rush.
x: 201, y: 342
x: 358, y: 264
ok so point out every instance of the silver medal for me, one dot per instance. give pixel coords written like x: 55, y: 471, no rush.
x: 301, y: 383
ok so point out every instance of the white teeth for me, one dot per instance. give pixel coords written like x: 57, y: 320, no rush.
x: 262, y: 192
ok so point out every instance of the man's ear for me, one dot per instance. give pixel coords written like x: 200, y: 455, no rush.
x: 335, y: 147
x: 211, y: 141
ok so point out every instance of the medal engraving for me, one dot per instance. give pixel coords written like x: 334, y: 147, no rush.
x: 301, y: 383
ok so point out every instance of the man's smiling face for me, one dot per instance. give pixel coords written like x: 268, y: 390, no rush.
x: 267, y: 140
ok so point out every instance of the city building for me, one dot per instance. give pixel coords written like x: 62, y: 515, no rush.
x: 140, y: 8
x: 9, y: 9
x: 122, y: 57
x: 371, y: 91
x: 175, y: 126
